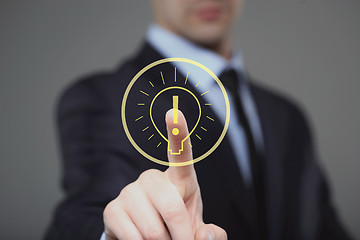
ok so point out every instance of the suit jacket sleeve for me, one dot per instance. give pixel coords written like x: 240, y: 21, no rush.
x: 95, y: 167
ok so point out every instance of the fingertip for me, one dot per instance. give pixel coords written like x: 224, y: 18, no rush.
x: 169, y: 115
x: 180, y: 126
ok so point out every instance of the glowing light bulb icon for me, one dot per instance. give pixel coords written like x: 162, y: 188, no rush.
x: 145, y: 88
x: 175, y: 130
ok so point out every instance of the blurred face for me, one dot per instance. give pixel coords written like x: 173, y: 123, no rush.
x: 206, y: 22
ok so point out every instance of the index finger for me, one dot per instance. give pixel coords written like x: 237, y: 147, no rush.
x: 179, y: 150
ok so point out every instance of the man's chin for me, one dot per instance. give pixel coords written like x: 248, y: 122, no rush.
x: 207, y: 37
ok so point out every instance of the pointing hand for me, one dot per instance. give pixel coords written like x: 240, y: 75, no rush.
x: 162, y: 205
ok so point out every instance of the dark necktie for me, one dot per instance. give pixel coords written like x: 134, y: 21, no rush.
x: 256, y: 197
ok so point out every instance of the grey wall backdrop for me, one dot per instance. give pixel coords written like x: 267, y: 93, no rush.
x: 306, y: 48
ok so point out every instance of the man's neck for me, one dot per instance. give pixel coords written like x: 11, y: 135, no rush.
x: 223, y: 47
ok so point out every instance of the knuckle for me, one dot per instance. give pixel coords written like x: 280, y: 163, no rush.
x: 109, y: 235
x: 127, y: 191
x: 173, y: 212
x: 110, y: 210
x: 222, y: 232
x: 202, y: 236
x: 128, y: 194
x: 149, y: 175
x: 219, y: 232
x: 155, y: 234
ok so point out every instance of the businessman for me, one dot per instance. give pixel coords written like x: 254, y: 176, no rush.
x: 263, y: 181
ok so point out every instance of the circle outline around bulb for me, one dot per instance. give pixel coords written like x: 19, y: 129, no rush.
x: 123, y: 112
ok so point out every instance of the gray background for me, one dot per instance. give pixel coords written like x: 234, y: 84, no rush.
x: 306, y: 48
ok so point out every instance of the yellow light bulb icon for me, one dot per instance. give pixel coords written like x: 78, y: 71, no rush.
x: 133, y: 122
x: 175, y: 130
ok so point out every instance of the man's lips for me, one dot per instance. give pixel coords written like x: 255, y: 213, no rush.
x: 209, y: 13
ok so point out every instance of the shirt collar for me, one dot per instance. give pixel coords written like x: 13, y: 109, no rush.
x: 165, y: 41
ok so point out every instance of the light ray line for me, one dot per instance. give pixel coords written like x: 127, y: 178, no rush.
x: 204, y: 93
x: 210, y: 118
x: 139, y: 118
x: 144, y: 93
x: 162, y: 77
x: 187, y: 75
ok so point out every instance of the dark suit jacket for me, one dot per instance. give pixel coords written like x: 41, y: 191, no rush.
x: 99, y: 161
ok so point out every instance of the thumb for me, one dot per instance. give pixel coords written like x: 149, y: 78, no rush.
x: 179, y: 150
